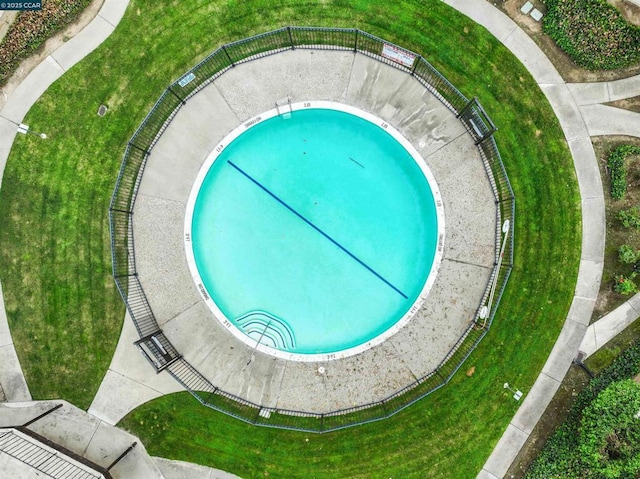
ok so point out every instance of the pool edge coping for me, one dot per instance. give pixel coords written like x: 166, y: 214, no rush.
x: 430, y: 279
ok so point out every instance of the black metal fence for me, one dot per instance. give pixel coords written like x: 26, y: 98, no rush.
x: 154, y: 344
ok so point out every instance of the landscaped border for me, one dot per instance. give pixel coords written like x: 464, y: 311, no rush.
x: 154, y: 344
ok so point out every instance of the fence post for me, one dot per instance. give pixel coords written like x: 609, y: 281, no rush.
x: 466, y: 108
x: 384, y: 408
x: 224, y: 49
x: 293, y: 47
x: 415, y: 64
x: 176, y: 95
x: 146, y: 152
x: 355, y: 41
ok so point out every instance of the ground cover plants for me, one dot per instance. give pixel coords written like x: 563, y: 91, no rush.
x: 593, y: 33
x: 31, y: 28
x: 601, y: 436
x: 54, y: 261
x: 620, y: 170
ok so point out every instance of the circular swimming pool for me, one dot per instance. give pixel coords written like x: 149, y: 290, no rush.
x: 314, y: 231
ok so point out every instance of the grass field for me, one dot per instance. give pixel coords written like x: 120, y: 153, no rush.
x: 54, y: 252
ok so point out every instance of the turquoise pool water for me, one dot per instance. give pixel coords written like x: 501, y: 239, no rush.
x: 314, y: 233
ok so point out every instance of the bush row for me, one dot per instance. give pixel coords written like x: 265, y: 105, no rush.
x: 593, y: 33
x: 618, y: 171
x: 560, y: 457
x: 31, y: 29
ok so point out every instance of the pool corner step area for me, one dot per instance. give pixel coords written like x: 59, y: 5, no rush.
x: 267, y: 329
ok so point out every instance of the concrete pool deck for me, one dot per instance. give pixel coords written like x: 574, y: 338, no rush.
x: 237, y: 96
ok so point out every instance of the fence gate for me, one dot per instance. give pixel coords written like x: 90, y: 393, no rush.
x: 477, y: 121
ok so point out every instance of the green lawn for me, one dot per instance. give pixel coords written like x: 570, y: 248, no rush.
x: 54, y: 251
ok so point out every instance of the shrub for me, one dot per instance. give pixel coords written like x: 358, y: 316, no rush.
x: 618, y: 170
x: 618, y: 176
x: 625, y: 285
x: 627, y: 254
x: 593, y: 33
x: 630, y: 217
x: 560, y: 457
x: 31, y: 28
x: 609, y: 441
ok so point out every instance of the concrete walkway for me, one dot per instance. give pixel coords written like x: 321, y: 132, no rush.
x: 607, y: 120
x: 578, y: 109
x: 83, y: 435
x: 610, y: 325
x: 13, y: 386
x: 100, y: 443
x: 130, y: 378
x: 604, y: 92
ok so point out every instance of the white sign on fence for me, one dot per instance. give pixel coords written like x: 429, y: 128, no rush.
x: 185, y: 80
x: 398, y: 55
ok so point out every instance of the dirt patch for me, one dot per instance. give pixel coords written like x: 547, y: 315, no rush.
x: 569, y: 71
x: 630, y: 12
x: 48, y: 47
x: 617, y: 235
x: 6, y: 19
x: 512, y: 8
x: 632, y: 104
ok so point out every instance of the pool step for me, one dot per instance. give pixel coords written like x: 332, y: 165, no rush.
x: 267, y: 329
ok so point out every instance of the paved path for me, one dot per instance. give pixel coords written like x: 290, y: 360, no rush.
x: 579, y: 110
x: 95, y: 440
x: 610, y: 325
x: 13, y: 386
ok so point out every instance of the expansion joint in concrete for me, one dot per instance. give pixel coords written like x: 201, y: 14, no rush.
x: 57, y: 62
x: 468, y: 263
x: 464, y: 133
x: 93, y: 435
x: 635, y: 307
x: 557, y: 381
x: 609, y: 92
x: 105, y: 19
x: 520, y: 429
x: 146, y: 386
x: 508, y: 35
x: 224, y: 98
